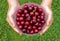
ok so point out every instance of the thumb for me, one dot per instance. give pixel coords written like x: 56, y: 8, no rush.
x: 46, y: 3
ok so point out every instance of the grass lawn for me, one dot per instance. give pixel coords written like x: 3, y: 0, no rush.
x: 8, y: 34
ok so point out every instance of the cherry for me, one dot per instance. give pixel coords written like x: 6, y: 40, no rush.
x: 21, y: 18
x: 40, y: 10
x: 24, y: 30
x: 35, y: 7
x: 20, y: 27
x: 17, y: 19
x: 25, y: 7
x: 20, y: 11
x: 30, y: 8
x: 18, y: 23
x: 29, y: 27
x: 36, y: 13
x: 36, y: 30
x: 34, y: 27
x: 18, y: 15
x: 31, y: 32
x: 42, y: 17
x: 22, y: 22
x: 32, y: 5
x: 39, y: 28
x: 31, y: 13
x: 25, y: 11
x: 26, y: 23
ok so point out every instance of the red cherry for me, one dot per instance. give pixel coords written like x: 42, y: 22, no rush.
x: 17, y: 19
x: 38, y: 20
x: 31, y: 32
x: 26, y: 23
x: 42, y: 14
x: 27, y: 15
x: 35, y: 7
x: 25, y: 11
x: 40, y: 10
x: 34, y: 17
x: 20, y: 27
x: 22, y: 15
x: 28, y: 18
x: 36, y: 30
x: 28, y: 31
x: 31, y: 13
x: 22, y: 22
x: 34, y: 20
x: 39, y: 28
x: 39, y: 17
x: 36, y: 24
x: 18, y: 15
x: 30, y: 8
x: 32, y: 5
x: 20, y: 11
x: 42, y: 17
x: 18, y: 23
x: 24, y: 30
x: 40, y: 24
x: 25, y: 26
x: 25, y: 6
x: 43, y: 22
x: 34, y: 27
x: 21, y: 18
x: 36, y: 13
x: 29, y: 27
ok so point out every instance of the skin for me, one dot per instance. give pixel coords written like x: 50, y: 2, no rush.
x: 14, y: 5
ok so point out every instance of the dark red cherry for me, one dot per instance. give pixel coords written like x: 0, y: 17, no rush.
x: 29, y: 27
x: 17, y: 19
x: 26, y: 23
x: 32, y: 5
x: 24, y: 30
x: 36, y: 13
x: 40, y: 10
x: 31, y: 32
x: 42, y: 17
x: 34, y: 27
x: 20, y: 11
x: 21, y: 18
x: 18, y: 15
x: 30, y: 9
x: 25, y: 11
x: 18, y: 23
x: 20, y: 27
x: 39, y: 28
x: 35, y: 7
x: 25, y: 7
x: 22, y: 22
x: 36, y: 30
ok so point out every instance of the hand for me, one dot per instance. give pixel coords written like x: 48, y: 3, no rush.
x: 46, y: 4
x: 14, y: 5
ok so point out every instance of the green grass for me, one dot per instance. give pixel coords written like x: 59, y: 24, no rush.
x: 8, y: 34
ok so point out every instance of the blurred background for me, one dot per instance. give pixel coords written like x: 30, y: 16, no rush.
x: 8, y: 34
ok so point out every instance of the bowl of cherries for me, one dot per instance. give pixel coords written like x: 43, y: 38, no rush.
x: 30, y: 18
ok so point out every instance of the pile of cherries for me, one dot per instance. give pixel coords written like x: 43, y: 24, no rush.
x: 30, y: 19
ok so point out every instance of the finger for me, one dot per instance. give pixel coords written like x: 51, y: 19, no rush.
x: 14, y: 27
x: 46, y: 3
x: 13, y: 3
